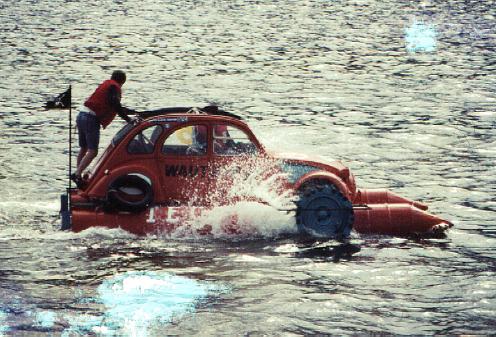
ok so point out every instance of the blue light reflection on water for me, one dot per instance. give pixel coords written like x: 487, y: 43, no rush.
x: 3, y: 328
x: 45, y: 319
x: 420, y: 37
x: 83, y: 324
x: 136, y: 300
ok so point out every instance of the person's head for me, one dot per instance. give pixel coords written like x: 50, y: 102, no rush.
x: 119, y: 76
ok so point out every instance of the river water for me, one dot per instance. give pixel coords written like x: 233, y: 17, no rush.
x: 403, y: 92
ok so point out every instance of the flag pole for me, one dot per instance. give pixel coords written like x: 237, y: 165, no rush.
x: 65, y: 199
x: 70, y: 138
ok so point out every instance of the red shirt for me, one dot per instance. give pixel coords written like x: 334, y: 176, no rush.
x: 99, y: 102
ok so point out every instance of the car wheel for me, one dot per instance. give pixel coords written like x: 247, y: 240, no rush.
x: 323, y: 211
x: 130, y: 193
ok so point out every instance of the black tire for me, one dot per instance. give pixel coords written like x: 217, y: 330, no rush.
x: 130, y: 193
x: 323, y: 211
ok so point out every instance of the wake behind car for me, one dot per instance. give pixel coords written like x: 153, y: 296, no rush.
x: 161, y: 172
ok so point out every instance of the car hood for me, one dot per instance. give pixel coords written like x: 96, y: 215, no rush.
x: 298, y: 165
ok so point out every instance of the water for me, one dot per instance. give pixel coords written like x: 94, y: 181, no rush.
x: 402, y: 92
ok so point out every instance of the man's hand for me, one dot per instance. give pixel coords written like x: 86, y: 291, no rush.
x: 130, y: 111
x: 135, y: 120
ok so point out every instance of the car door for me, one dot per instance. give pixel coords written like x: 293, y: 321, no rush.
x: 183, y: 165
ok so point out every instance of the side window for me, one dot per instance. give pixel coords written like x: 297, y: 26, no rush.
x: 122, y: 133
x: 229, y: 141
x: 187, y: 141
x: 144, y: 142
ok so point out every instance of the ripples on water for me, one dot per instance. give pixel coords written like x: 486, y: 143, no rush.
x: 403, y: 92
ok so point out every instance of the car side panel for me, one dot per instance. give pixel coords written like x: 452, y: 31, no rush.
x: 184, y: 180
x: 145, y: 166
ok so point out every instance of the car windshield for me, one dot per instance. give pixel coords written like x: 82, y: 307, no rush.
x: 122, y: 133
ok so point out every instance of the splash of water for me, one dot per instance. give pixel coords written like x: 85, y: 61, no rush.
x: 245, y: 220
x: 420, y: 37
x: 255, y: 178
x: 250, y: 200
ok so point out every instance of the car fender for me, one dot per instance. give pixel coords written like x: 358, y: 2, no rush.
x: 323, y: 175
x: 99, y: 190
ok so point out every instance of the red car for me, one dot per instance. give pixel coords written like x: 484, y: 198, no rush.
x: 178, y: 162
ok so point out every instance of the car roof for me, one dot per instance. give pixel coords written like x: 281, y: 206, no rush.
x: 177, y: 115
x: 187, y: 117
x: 210, y: 110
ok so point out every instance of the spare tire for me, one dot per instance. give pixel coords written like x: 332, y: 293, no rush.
x: 130, y: 193
x: 323, y: 211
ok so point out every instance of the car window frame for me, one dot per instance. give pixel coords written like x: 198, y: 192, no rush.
x: 122, y: 133
x: 154, y: 145
x: 248, y: 135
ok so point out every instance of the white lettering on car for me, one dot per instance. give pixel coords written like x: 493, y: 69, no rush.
x: 171, y: 215
x: 151, y: 216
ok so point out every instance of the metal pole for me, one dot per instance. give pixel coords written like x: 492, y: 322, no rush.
x: 65, y: 199
x: 70, y: 138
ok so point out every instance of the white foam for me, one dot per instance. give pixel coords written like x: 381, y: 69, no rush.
x: 243, y: 220
x: 249, y: 259
x: 287, y: 248
x: 104, y: 233
x: 93, y: 232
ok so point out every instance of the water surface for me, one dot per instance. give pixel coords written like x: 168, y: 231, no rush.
x: 401, y: 91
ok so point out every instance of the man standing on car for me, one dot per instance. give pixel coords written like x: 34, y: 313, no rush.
x: 99, y: 110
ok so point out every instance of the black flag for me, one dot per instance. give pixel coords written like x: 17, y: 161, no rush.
x: 62, y: 101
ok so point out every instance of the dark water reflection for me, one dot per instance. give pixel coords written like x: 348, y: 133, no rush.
x: 334, y: 78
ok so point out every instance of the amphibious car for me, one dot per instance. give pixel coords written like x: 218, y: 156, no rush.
x: 158, y: 173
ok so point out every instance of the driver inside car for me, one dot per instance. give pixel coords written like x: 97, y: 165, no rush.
x: 223, y: 143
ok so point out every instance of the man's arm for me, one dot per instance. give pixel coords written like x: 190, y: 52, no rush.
x: 115, y: 102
